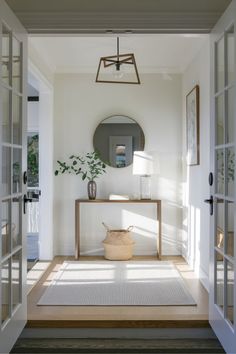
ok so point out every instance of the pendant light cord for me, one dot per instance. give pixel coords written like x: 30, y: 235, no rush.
x: 118, y: 49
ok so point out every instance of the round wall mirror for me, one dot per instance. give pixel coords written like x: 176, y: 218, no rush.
x: 116, y: 138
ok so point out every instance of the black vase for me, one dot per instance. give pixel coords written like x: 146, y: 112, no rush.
x: 92, y: 190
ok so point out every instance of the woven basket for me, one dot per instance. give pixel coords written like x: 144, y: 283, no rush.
x: 118, y: 244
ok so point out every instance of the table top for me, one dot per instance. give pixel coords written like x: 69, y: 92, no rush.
x: 118, y: 201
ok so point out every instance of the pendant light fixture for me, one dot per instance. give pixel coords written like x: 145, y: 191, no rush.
x: 118, y: 69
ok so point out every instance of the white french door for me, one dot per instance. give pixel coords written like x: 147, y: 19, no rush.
x: 13, y: 71
x: 222, y: 308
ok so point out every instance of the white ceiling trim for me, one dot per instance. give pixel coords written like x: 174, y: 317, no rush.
x: 101, y: 22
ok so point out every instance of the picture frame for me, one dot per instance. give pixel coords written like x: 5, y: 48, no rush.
x: 192, y: 127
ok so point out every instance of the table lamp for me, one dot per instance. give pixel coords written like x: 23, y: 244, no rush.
x: 143, y: 167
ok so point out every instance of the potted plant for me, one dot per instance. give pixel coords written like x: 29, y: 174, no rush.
x: 89, y: 167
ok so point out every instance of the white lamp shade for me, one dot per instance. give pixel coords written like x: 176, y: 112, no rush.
x: 142, y: 163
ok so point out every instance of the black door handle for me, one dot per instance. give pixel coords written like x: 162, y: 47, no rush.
x: 211, y: 202
x: 25, y: 201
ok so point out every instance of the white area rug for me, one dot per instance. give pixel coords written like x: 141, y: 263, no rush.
x: 105, y: 283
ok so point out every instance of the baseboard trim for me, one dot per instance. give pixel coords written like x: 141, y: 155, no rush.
x: 203, y: 276
x: 118, y: 324
x: 204, y: 279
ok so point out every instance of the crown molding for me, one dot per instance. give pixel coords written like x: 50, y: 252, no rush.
x: 117, y: 22
x: 89, y: 70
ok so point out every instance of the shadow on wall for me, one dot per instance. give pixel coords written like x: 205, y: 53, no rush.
x: 191, y: 235
x: 168, y: 186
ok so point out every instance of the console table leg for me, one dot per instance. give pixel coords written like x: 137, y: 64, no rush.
x: 77, y: 230
x: 159, y: 243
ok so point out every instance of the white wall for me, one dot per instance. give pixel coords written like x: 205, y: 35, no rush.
x: 33, y: 116
x: 37, y: 60
x: 195, y: 178
x: 80, y: 104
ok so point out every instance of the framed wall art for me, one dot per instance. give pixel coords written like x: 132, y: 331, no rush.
x: 192, y: 126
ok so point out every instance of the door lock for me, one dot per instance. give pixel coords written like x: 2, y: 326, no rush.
x: 210, y: 179
x: 25, y: 177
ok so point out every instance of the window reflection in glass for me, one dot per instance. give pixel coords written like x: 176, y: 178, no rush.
x: 16, y: 222
x: 6, y: 171
x: 219, y: 281
x: 6, y: 119
x: 6, y: 227
x: 230, y: 292
x: 5, y: 55
x: 16, y: 178
x: 5, y: 293
x: 230, y: 229
x: 220, y: 171
x: 16, y: 275
x: 17, y: 114
x: 220, y: 65
x: 16, y: 65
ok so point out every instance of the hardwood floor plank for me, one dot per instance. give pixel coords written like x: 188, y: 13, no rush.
x: 59, y: 345
x: 119, y: 316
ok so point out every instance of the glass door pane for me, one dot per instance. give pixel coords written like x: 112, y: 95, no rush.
x: 16, y: 65
x: 230, y: 292
x: 6, y: 171
x: 16, y: 171
x: 17, y: 119
x: 16, y: 222
x: 6, y: 291
x: 220, y: 119
x: 230, y: 55
x: 220, y: 65
x: 16, y: 283
x: 219, y: 281
x: 6, y: 64
x: 230, y: 229
x: 6, y: 227
x: 230, y: 114
x: 230, y: 171
x: 6, y: 118
x: 220, y: 171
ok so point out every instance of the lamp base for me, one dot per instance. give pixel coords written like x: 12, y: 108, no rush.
x: 145, y: 187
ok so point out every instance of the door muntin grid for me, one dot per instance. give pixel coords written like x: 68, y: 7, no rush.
x: 224, y: 188
x: 11, y: 174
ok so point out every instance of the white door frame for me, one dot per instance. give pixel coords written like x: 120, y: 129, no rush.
x: 45, y: 89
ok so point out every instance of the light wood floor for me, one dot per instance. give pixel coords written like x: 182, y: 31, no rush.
x: 119, y: 316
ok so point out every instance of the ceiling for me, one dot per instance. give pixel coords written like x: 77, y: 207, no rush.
x: 99, y: 16
x: 160, y: 53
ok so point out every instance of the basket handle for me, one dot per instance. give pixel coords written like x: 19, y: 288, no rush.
x: 106, y: 227
x: 130, y: 228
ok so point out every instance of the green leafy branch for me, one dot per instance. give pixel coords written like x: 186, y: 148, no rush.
x: 221, y: 165
x: 33, y: 163
x: 89, y: 167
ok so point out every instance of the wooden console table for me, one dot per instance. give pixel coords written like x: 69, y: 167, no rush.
x: 106, y: 201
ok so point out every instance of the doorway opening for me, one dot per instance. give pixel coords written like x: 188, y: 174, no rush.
x: 33, y: 182
x: 169, y: 67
